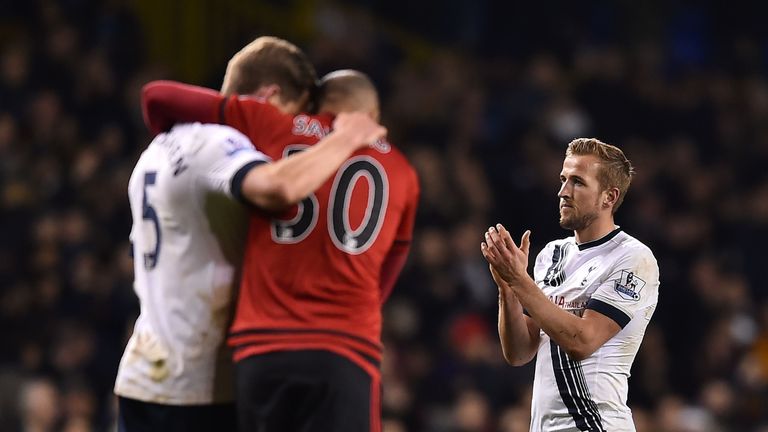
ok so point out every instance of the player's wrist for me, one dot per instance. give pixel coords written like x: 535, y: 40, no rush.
x: 348, y: 139
x: 507, y: 294
x: 360, y: 139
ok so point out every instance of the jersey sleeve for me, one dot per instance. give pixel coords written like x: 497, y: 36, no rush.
x: 632, y: 286
x: 226, y: 157
x: 165, y: 103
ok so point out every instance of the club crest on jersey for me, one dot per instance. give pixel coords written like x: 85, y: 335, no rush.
x: 628, y: 286
x: 586, y: 277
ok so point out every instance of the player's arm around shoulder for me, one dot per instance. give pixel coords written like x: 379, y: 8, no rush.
x: 219, y: 158
x: 283, y: 183
x: 165, y: 103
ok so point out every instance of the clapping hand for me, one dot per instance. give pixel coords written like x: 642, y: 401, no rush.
x: 509, y: 261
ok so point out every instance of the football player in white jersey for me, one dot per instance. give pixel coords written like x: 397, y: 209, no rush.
x: 188, y: 236
x: 585, y: 310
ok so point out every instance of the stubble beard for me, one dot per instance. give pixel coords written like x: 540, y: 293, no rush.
x: 577, y: 222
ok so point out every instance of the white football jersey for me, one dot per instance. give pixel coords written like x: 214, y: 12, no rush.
x: 188, y: 236
x: 617, y: 276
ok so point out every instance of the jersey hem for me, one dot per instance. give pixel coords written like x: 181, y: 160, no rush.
x: 137, y: 395
x: 302, y: 337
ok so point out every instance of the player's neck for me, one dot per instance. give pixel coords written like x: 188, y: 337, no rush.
x: 598, y: 229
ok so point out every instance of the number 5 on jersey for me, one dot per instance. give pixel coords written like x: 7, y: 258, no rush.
x: 350, y: 240
x: 149, y: 213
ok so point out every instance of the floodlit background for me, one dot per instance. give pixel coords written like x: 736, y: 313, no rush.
x: 482, y: 96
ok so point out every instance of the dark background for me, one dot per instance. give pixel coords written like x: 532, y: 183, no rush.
x: 483, y: 97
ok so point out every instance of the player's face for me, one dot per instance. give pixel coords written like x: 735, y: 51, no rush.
x: 580, y: 192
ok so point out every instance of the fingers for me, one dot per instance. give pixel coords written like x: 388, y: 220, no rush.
x: 376, y: 134
x: 489, y: 250
x: 525, y: 242
x: 363, y: 129
x: 341, y: 121
x: 506, y: 237
x: 499, y: 244
x: 497, y: 251
x: 493, y: 248
x: 484, y: 250
x: 504, y: 240
x: 495, y: 239
x: 370, y: 132
x: 489, y: 256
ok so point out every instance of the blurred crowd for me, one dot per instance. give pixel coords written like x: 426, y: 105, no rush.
x: 483, y: 99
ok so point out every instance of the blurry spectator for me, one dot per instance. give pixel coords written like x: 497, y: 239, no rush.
x: 39, y: 406
x: 472, y: 412
x: 515, y: 419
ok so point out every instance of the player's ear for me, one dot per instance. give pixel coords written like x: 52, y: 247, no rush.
x: 611, y: 195
x: 375, y: 114
x: 267, y: 91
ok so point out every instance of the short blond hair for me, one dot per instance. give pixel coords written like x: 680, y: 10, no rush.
x: 269, y: 60
x: 615, y: 169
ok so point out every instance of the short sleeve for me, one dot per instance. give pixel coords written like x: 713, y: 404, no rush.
x: 225, y: 159
x: 632, y: 285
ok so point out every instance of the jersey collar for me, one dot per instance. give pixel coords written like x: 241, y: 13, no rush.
x: 598, y: 242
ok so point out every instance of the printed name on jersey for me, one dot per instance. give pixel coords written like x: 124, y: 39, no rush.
x: 177, y: 159
x: 382, y: 146
x: 179, y: 166
x: 628, y: 285
x: 307, y: 126
x: 175, y: 153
